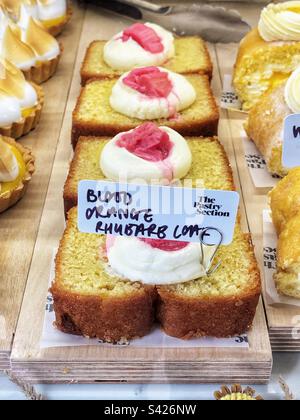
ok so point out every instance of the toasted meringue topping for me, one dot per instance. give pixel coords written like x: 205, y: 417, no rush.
x: 9, y: 168
x: 17, y: 95
x: 43, y: 44
x: 16, y: 51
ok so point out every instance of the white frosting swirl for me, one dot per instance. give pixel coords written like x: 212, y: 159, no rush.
x: 10, y: 110
x: 138, y: 261
x: 124, y: 56
x: 292, y: 92
x: 130, y: 102
x: 118, y: 163
x: 51, y: 9
x: 280, y: 22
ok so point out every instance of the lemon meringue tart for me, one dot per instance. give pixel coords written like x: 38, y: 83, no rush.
x: 145, y: 44
x: 45, y: 47
x: 183, y: 103
x: 265, y: 122
x: 16, y: 170
x: 21, y: 102
x: 53, y: 14
x: 29, y: 47
x: 268, y: 54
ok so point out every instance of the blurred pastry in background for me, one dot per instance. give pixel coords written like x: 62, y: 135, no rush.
x: 266, y: 121
x: 268, y: 54
x: 29, y: 47
x: 285, y: 205
x: 53, y: 14
x: 21, y: 102
x: 16, y: 170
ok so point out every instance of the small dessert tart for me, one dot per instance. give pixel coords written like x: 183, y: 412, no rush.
x: 29, y: 47
x: 236, y: 393
x: 45, y: 47
x: 21, y: 102
x: 16, y: 170
x: 53, y: 14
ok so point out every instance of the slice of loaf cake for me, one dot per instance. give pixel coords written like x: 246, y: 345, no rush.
x: 91, y: 301
x: 221, y: 305
x: 191, y: 57
x: 210, y: 166
x: 93, y: 115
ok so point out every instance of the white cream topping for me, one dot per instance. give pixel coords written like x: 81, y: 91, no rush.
x: 51, y: 9
x: 134, y: 104
x: 124, y: 56
x: 10, y: 110
x: 292, y: 92
x: 280, y: 22
x: 117, y: 163
x: 134, y: 260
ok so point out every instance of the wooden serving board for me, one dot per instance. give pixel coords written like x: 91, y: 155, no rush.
x: 19, y: 226
x: 283, y: 321
x: 100, y: 364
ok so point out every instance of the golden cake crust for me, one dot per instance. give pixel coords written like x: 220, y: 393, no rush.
x: 23, y: 127
x: 10, y: 198
x: 285, y: 205
x: 109, y: 318
x: 94, y: 67
x: 201, y: 119
x: 285, y: 200
x: 114, y: 319
x: 264, y: 126
x: 189, y: 318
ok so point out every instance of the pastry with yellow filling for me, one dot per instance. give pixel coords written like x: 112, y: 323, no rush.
x: 21, y: 102
x: 268, y: 54
x: 285, y: 205
x: 29, y: 47
x: 16, y: 170
x: 266, y: 121
x: 237, y: 393
x: 52, y: 14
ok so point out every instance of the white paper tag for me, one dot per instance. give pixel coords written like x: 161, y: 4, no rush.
x: 52, y: 338
x: 229, y: 99
x: 157, y: 212
x: 270, y: 262
x: 257, y: 166
x: 291, y: 142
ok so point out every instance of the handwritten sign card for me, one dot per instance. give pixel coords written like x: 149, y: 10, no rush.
x: 156, y: 212
x: 291, y: 143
